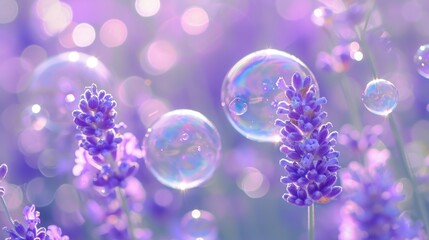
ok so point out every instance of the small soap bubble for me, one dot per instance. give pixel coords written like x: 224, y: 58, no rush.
x: 421, y: 59
x: 380, y: 97
x: 184, y: 137
x: 182, y: 149
x: 198, y: 224
x: 238, y: 106
x: 58, y: 82
x: 249, y: 91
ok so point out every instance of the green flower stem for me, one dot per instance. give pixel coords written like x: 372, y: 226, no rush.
x: 111, y: 160
x: 311, y: 222
x: 126, y: 210
x: 419, y: 201
x: 346, y: 89
x: 7, y: 211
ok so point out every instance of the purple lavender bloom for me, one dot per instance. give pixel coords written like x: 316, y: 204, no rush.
x: 359, y: 141
x: 311, y: 162
x: 371, y: 211
x: 95, y: 118
x: 99, y: 137
x: 32, y: 232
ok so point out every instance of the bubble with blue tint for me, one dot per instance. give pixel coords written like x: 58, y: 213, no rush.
x: 57, y: 83
x: 421, y: 59
x: 249, y: 93
x: 182, y: 149
x: 380, y: 97
x: 198, y: 224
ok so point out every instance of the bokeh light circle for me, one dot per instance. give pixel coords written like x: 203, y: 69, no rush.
x: 58, y: 82
x: 249, y: 93
x: 421, y: 59
x: 380, y: 97
x: 182, y: 149
x: 198, y: 224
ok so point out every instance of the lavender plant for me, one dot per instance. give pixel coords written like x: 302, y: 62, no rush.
x: 371, y: 211
x: 32, y: 218
x: 106, y: 154
x: 311, y: 163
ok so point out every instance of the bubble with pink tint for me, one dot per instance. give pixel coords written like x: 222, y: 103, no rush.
x: 182, y: 149
x: 58, y: 82
x: 249, y: 93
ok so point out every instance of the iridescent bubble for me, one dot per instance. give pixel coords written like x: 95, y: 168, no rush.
x: 380, y: 97
x: 58, y: 82
x: 182, y: 149
x: 250, y: 95
x: 238, y: 106
x: 198, y: 225
x: 421, y: 59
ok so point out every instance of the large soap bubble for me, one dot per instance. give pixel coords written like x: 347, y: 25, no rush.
x: 249, y: 93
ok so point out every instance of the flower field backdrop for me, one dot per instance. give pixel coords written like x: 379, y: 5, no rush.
x: 214, y: 119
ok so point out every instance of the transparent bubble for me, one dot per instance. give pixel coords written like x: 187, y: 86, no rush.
x: 182, y: 149
x: 58, y: 82
x: 250, y: 95
x: 380, y: 97
x: 238, y: 106
x: 198, y: 225
x: 421, y: 59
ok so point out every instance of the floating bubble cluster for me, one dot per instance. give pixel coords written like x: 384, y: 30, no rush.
x: 182, y: 149
x: 58, y: 82
x: 250, y: 96
x: 380, y: 97
x: 421, y: 59
x: 198, y: 224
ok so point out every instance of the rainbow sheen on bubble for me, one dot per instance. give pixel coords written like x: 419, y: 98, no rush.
x: 58, y: 82
x: 380, y: 97
x: 198, y: 224
x: 249, y: 93
x: 182, y: 149
x: 421, y: 59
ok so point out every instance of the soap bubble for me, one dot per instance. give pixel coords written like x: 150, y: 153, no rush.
x: 58, y: 82
x: 380, y: 97
x: 421, y: 59
x: 182, y: 149
x: 198, y: 225
x: 250, y: 95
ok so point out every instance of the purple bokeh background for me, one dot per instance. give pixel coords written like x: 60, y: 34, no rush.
x: 172, y: 69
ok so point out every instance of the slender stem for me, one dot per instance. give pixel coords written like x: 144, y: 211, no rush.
x: 311, y: 222
x: 110, y: 158
x: 7, y: 211
x: 126, y: 210
x: 419, y: 201
x: 347, y: 90
x: 361, y: 36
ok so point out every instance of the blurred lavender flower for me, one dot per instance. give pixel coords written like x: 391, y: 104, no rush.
x: 371, y: 211
x: 32, y: 232
x: 359, y: 141
x: 99, y: 137
x: 311, y: 162
x: 31, y: 217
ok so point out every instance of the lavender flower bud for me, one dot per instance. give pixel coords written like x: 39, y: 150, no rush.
x: 311, y: 162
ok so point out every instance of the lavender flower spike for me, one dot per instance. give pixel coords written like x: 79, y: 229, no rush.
x: 95, y: 118
x: 311, y: 163
x: 371, y: 211
x: 32, y: 232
